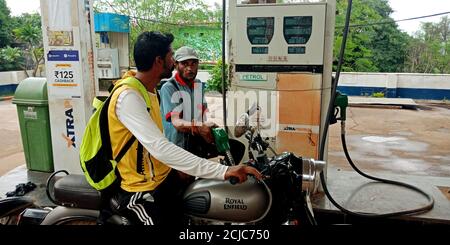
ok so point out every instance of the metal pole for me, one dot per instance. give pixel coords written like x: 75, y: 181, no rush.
x: 224, y: 99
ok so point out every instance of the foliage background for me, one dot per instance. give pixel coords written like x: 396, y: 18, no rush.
x: 375, y: 42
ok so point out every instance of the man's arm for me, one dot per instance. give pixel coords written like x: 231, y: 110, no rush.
x: 195, y: 128
x: 131, y: 111
x: 171, y: 115
x: 181, y: 125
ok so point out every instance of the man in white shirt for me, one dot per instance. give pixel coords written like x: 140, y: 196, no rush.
x: 151, y: 188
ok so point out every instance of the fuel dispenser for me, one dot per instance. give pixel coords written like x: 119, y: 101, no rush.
x: 112, y: 41
x: 70, y: 72
x: 280, y: 57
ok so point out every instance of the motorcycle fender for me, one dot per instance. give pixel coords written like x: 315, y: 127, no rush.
x: 61, y: 214
x: 11, y: 205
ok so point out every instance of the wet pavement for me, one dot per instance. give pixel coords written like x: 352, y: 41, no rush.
x: 411, y: 142
x: 359, y: 194
x: 21, y: 175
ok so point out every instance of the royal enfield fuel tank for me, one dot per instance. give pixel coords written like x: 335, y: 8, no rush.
x: 220, y: 200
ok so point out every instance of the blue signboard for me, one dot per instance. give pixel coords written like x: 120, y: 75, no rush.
x: 63, y: 55
x: 109, y: 22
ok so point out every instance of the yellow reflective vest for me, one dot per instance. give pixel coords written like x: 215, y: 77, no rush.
x: 151, y: 171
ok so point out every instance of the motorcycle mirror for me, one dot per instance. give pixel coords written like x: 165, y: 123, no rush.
x: 252, y: 109
x: 242, y: 125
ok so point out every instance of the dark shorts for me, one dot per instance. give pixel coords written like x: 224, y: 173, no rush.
x: 163, y: 206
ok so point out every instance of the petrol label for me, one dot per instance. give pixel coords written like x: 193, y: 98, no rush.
x: 257, y: 77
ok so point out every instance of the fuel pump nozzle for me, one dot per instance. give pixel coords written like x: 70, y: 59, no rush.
x: 222, y: 143
x: 340, y: 106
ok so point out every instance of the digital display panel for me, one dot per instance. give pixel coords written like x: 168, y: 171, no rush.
x: 296, y: 50
x: 297, y: 29
x: 260, y: 30
x: 260, y: 50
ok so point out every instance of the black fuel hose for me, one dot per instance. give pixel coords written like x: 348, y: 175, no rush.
x: 335, y: 81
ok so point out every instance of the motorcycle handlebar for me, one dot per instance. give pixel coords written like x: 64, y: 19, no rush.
x: 233, y: 180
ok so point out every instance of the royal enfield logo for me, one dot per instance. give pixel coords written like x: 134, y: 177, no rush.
x: 231, y: 203
x: 69, y: 136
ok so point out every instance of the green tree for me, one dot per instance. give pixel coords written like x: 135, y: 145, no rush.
x: 214, y: 83
x: 370, y: 46
x: 388, y: 43
x: 205, y: 39
x: 358, y: 55
x: 5, y: 25
x: 26, y: 18
x: 429, y: 49
x: 389, y: 47
x: 29, y: 33
x: 11, y: 59
x: 168, y: 16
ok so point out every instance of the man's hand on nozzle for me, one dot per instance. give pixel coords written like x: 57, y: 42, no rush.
x: 241, y: 172
x: 204, y: 130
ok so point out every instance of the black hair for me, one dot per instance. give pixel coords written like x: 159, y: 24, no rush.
x: 150, y: 45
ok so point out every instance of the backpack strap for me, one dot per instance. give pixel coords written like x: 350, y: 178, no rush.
x: 104, y: 133
x: 104, y: 125
x: 125, y: 148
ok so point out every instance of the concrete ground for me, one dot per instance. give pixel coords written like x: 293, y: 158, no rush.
x: 393, y: 143
x: 414, y: 142
x: 387, y: 138
x: 11, y: 149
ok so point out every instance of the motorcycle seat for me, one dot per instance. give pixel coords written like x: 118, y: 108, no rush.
x: 74, y: 191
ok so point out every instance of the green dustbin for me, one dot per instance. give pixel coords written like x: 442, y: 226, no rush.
x: 32, y: 108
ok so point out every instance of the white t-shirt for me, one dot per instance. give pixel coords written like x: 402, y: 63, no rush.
x: 131, y: 110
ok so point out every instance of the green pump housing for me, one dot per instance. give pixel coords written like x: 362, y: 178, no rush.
x: 341, y: 101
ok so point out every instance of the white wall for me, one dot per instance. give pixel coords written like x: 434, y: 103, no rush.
x: 355, y: 79
x: 13, y: 77
x: 382, y: 80
x: 436, y: 81
x: 203, y: 75
x: 395, y: 80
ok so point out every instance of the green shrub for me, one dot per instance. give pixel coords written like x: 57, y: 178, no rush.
x: 378, y: 95
x: 215, y: 82
x: 205, y: 66
x: 11, y: 59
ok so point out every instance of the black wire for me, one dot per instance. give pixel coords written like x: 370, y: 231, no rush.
x: 427, y: 207
x: 395, y: 21
x: 224, y: 99
x: 309, y: 213
x: 47, y: 189
x: 423, y: 209
x: 335, y: 81
x: 204, y: 24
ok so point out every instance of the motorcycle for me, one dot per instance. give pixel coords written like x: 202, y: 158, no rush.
x: 282, y: 197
